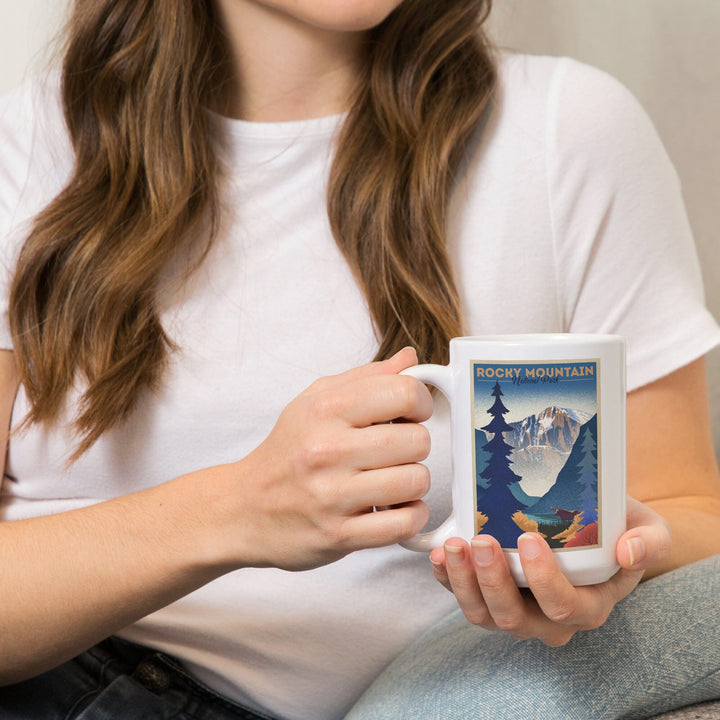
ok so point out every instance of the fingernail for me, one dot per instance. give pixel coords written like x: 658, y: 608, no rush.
x: 482, y: 552
x: 636, y: 550
x: 529, y: 547
x: 455, y: 555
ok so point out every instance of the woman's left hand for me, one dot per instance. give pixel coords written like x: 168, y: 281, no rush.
x: 551, y: 609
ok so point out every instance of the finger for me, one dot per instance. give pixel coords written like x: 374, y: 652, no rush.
x: 381, y: 446
x: 388, y: 486
x: 372, y: 400
x: 464, y: 584
x: 363, y: 449
x: 648, y: 539
x: 643, y: 547
x: 385, y: 527
x: 403, y: 359
x: 437, y: 562
x: 559, y: 601
x: 502, y: 598
x: 553, y: 592
x: 383, y: 398
x: 639, y: 513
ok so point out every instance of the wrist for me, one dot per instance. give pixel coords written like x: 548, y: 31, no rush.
x: 214, y: 527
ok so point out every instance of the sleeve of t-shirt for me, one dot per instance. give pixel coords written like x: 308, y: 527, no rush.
x: 625, y: 254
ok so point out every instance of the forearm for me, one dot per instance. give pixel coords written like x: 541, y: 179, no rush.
x: 695, y: 525
x: 71, y: 579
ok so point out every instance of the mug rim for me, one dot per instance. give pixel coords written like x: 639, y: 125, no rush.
x: 528, y: 338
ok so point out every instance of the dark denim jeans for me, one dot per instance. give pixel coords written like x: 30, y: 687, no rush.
x: 117, y: 680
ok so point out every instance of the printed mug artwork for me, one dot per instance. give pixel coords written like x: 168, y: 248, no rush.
x: 536, y: 452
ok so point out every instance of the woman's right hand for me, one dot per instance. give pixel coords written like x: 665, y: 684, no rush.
x: 305, y: 496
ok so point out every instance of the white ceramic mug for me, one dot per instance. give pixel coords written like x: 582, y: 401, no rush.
x: 538, y: 444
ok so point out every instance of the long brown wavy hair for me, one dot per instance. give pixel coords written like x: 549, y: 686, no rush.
x: 137, y: 76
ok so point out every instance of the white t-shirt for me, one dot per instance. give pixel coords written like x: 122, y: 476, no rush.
x: 567, y: 216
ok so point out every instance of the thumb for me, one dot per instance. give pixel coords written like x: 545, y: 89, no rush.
x: 647, y: 540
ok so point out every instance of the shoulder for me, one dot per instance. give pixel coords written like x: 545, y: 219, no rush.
x: 542, y: 75
x: 569, y: 102
x: 587, y: 132
x: 560, y: 117
x: 36, y: 154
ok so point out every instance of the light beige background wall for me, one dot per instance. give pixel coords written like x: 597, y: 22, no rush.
x: 665, y: 51
x: 25, y: 29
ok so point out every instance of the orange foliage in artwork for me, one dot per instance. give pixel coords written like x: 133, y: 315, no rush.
x: 480, y: 520
x: 566, y: 535
x: 526, y: 524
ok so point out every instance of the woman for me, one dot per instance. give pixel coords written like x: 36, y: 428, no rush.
x: 176, y: 276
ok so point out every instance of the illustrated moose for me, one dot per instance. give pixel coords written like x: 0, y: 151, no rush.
x: 565, y: 515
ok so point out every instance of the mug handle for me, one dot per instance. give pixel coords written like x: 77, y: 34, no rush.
x: 440, y: 377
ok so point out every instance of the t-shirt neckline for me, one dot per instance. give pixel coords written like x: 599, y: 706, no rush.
x: 240, y: 130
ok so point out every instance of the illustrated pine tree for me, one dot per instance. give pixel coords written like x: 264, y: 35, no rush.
x: 498, y: 502
x: 588, y: 479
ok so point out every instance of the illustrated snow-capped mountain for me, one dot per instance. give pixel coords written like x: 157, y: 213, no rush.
x: 541, y: 445
x: 554, y: 427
